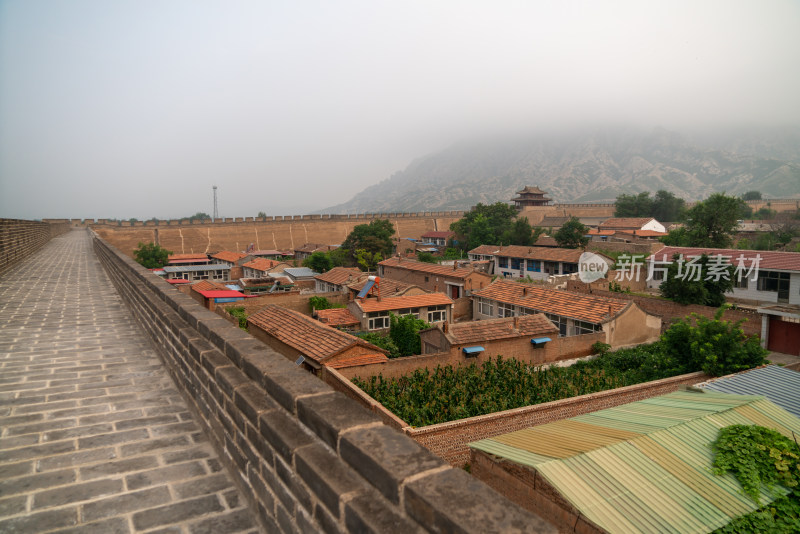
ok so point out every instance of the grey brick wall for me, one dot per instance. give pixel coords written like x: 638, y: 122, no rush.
x: 20, y: 238
x: 307, y: 458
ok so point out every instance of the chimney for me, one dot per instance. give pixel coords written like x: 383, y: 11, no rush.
x: 435, y: 288
x: 609, y: 310
x: 454, y: 266
x: 524, y: 291
x: 444, y: 327
x: 516, y: 323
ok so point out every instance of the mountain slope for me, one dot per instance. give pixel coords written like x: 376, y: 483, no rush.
x: 584, y: 166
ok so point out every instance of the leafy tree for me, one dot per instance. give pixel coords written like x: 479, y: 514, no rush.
x: 240, y: 315
x: 426, y: 257
x: 485, y: 225
x: 261, y: 215
x: 453, y: 254
x: 382, y: 341
x: 151, y: 256
x: 404, y: 331
x: 710, y: 223
x: 764, y: 214
x: 752, y: 195
x: 667, y: 207
x: 374, y: 238
x: 702, y: 286
x: 319, y: 262
x: 679, y: 237
x: 368, y: 261
x: 640, y: 205
x: 520, y: 233
x: 321, y: 303
x: 714, y: 346
x: 133, y: 220
x: 340, y: 257
x: 572, y: 234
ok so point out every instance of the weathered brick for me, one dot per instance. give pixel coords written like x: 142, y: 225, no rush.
x: 327, y: 476
x: 160, y: 475
x: 114, y: 438
x: 231, y: 521
x: 115, y: 525
x: 331, y: 414
x: 293, y: 483
x: 175, y: 513
x: 120, y: 466
x: 76, y: 493
x: 123, y: 504
x: 283, y: 432
x: 26, y: 484
x: 252, y: 401
x: 229, y: 378
x: 212, y: 360
x: 41, y: 521
x: 385, y: 457
x: 154, y: 444
x: 286, y: 387
x: 13, y: 505
x: 209, y: 484
x: 370, y: 514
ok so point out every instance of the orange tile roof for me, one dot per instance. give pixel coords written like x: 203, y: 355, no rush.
x: 597, y: 231
x: 389, y: 286
x: 625, y: 222
x: 340, y: 275
x: 438, y: 235
x: 433, y: 268
x: 567, y: 255
x: 782, y: 261
x: 407, y: 301
x: 481, y: 331
x: 357, y: 359
x: 173, y: 257
x: 337, y: 317
x: 261, y: 264
x: 546, y: 241
x: 314, y: 339
x: 314, y: 247
x: 206, y: 285
x: 590, y: 308
x: 485, y: 250
x: 644, y: 233
x: 227, y: 255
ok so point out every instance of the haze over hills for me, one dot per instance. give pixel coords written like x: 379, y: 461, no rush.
x: 592, y: 165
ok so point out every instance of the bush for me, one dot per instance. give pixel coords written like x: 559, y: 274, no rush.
x: 321, y: 303
x: 381, y: 341
x: 404, y: 331
x: 239, y: 313
x: 151, y: 256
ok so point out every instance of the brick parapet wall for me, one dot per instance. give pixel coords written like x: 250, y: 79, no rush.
x: 670, y: 311
x: 307, y: 458
x: 20, y: 238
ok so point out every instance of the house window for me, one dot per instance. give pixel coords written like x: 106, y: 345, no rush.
x: 437, y: 314
x: 535, y: 266
x: 560, y: 322
x: 408, y: 311
x: 426, y: 278
x: 774, y: 281
x: 740, y: 284
x: 218, y: 275
x: 658, y: 275
x: 516, y: 263
x: 550, y: 267
x: 582, y: 327
x: 505, y: 310
x: 485, y: 307
x: 502, y: 261
x: 569, y: 268
x: 526, y: 311
x: 377, y: 320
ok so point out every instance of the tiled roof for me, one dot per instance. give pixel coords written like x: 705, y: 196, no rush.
x: 340, y: 275
x: 388, y: 286
x: 641, y: 466
x: 407, y: 301
x: 480, y: 331
x: 206, y: 285
x: 590, y: 308
x: 770, y: 260
x: 337, y: 317
x: 597, y: 231
x: 184, y: 257
x: 266, y: 253
x: 532, y: 189
x: 546, y: 241
x: 314, y: 339
x: 644, y: 233
x: 777, y: 384
x: 438, y: 235
x: 300, y: 272
x: 625, y: 222
x: 195, y: 268
x: 433, y: 268
x: 485, y: 250
x: 567, y: 255
x: 357, y: 359
x: 261, y: 264
x: 310, y: 248
x: 227, y: 255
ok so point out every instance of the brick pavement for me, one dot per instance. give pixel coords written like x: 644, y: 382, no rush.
x: 95, y: 436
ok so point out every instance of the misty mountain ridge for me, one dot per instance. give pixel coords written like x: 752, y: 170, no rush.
x: 592, y: 165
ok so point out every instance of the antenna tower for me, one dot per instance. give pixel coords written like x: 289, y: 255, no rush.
x: 216, y: 213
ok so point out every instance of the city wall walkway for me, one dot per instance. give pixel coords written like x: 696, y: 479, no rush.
x: 95, y: 436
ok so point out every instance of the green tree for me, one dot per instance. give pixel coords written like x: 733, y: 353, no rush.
x: 572, y: 234
x: 710, y: 223
x: 764, y: 214
x: 404, y: 331
x: 640, y: 205
x: 375, y: 238
x: 705, y: 284
x: 261, y: 215
x: 752, y: 195
x: 426, y: 257
x: 521, y: 233
x: 151, y: 256
x: 368, y: 261
x: 199, y: 216
x: 321, y: 303
x: 319, y: 262
x: 485, y: 225
x: 382, y: 341
x: 667, y: 207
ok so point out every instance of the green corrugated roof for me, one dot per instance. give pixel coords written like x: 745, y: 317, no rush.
x: 646, y: 466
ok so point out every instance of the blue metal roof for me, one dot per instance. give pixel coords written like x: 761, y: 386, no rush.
x: 193, y: 268
x: 540, y: 340
x: 472, y: 350
x: 779, y: 385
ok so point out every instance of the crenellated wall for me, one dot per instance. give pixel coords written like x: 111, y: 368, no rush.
x: 307, y: 458
x: 20, y: 238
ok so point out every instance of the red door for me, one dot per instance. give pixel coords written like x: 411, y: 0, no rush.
x: 784, y: 336
x: 454, y: 292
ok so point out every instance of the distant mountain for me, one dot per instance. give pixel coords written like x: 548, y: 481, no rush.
x: 592, y: 165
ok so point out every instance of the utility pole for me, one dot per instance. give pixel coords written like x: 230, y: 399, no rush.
x: 216, y: 213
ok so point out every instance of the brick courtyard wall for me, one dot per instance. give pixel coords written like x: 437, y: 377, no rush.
x: 20, y: 238
x: 671, y: 311
x: 293, y: 300
x: 307, y: 458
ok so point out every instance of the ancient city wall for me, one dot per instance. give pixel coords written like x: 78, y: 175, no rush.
x: 307, y: 458
x: 20, y: 238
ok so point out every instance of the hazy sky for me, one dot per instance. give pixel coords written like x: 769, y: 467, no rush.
x: 112, y: 108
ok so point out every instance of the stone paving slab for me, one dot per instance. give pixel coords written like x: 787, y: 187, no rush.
x: 95, y: 436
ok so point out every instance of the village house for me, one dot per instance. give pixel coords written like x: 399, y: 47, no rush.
x: 456, y: 282
x: 538, y: 263
x: 272, y: 254
x: 188, y: 259
x: 209, y: 294
x: 439, y: 239
x: 337, y: 279
x: 192, y: 273
x: 618, y: 224
x: 623, y: 322
x: 635, y: 468
x: 260, y: 286
x: 302, y: 277
x: 766, y: 276
x: 310, y: 343
x: 309, y: 248
x: 234, y: 260
x: 530, y: 196
x: 373, y: 314
x: 340, y: 318
x: 404, y: 246
x: 387, y: 288
x: 262, y: 268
